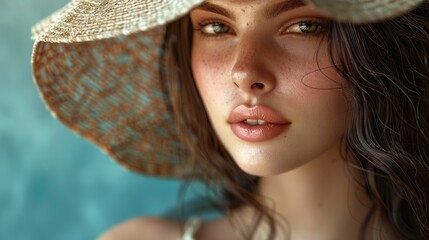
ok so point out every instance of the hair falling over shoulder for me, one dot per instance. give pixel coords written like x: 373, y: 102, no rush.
x: 386, y: 66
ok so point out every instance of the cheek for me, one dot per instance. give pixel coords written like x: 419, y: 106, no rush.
x: 309, y: 80
x: 210, y: 71
x: 324, y: 112
x: 316, y: 96
x: 323, y: 94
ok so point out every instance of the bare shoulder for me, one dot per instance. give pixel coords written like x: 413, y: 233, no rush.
x: 144, y: 228
x: 163, y: 229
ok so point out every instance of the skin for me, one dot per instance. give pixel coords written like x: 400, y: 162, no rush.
x: 270, y: 62
x: 255, y: 60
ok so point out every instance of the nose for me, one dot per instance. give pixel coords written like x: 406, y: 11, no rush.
x: 252, y: 72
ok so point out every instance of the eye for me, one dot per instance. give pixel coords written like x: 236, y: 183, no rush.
x: 214, y: 28
x: 307, y: 27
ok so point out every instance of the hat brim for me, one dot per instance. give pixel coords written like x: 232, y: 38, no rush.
x: 109, y: 92
x: 363, y: 11
x: 94, y: 20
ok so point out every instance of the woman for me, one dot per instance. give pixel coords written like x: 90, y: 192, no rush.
x: 312, y: 128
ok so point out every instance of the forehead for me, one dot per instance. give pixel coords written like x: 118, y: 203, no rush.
x: 269, y: 8
x: 257, y: 2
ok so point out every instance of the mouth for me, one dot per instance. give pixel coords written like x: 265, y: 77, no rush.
x: 256, y: 115
x: 254, y: 122
x: 257, y: 123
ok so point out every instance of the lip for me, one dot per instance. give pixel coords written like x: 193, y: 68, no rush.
x: 276, y: 123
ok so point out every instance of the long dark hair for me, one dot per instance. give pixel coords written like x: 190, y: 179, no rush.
x: 386, y: 66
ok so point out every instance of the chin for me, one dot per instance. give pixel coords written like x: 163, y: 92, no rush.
x: 261, y: 162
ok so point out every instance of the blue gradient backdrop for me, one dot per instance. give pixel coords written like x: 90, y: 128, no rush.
x: 53, y: 184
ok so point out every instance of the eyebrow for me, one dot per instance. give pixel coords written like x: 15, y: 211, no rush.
x: 268, y: 13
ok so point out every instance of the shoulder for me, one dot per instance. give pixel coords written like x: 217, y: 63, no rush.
x: 163, y: 229
x: 144, y: 228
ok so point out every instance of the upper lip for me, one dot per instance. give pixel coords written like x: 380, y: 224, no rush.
x: 258, y: 112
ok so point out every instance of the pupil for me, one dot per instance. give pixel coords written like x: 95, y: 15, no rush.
x: 219, y: 28
x: 307, y: 27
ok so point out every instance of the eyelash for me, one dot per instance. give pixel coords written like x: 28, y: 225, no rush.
x: 321, y: 27
x: 204, y: 24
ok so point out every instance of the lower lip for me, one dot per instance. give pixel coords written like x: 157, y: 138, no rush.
x: 257, y: 133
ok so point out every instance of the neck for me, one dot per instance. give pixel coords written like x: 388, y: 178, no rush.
x: 319, y: 200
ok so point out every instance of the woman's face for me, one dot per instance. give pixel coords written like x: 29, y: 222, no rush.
x: 266, y: 81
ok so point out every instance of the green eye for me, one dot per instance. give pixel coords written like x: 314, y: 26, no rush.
x: 309, y: 27
x: 215, y: 28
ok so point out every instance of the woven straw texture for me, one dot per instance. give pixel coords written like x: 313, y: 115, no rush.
x: 364, y: 11
x: 97, y: 67
x: 108, y: 91
x: 87, y: 20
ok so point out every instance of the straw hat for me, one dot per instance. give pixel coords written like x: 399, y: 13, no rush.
x: 97, y: 66
x: 363, y: 11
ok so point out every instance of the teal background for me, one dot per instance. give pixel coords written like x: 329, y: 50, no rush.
x: 53, y: 184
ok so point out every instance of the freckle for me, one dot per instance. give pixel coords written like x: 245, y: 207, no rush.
x: 243, y: 10
x: 334, y: 160
x: 320, y: 204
